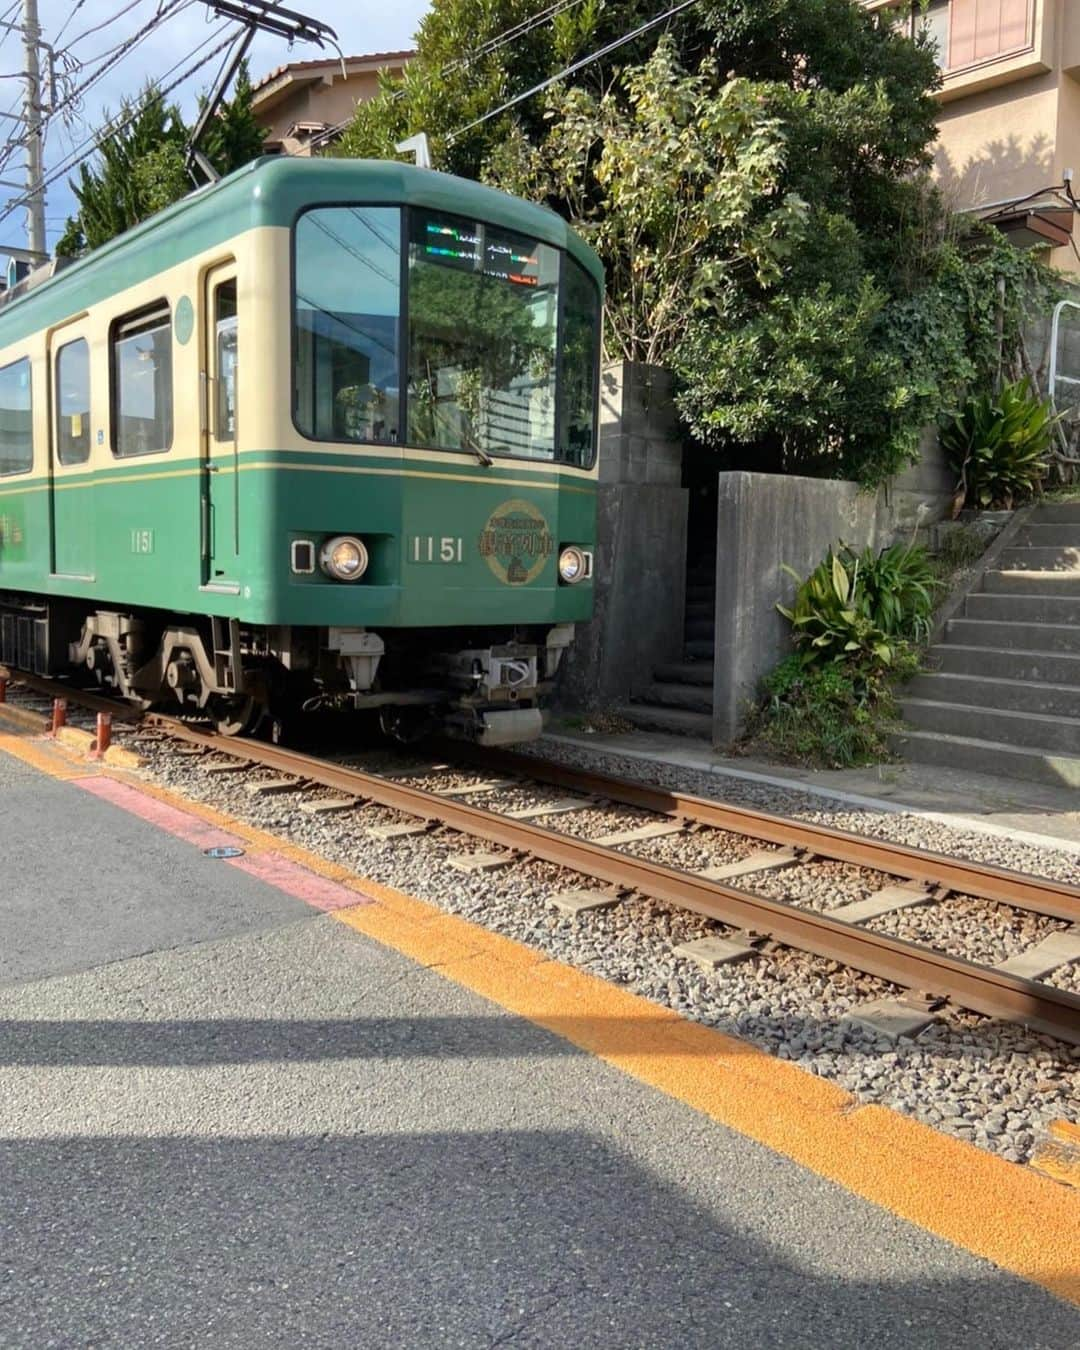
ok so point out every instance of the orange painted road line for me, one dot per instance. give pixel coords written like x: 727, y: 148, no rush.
x: 1010, y: 1215
x: 1020, y: 1221
x: 45, y: 756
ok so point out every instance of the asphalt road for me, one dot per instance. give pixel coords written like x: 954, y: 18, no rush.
x: 227, y: 1120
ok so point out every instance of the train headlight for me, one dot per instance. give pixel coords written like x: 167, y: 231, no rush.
x: 344, y: 558
x: 575, y: 564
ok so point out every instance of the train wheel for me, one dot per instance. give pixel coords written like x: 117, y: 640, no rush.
x: 406, y: 725
x: 237, y: 717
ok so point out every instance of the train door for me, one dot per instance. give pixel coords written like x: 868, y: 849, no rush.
x: 221, y: 487
x: 71, y: 483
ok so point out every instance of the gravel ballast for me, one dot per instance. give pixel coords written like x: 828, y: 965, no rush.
x: 998, y: 1086
x: 898, y: 827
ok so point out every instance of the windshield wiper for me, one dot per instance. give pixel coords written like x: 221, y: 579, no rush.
x: 478, y: 450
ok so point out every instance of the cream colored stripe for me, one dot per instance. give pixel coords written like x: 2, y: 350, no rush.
x: 116, y: 478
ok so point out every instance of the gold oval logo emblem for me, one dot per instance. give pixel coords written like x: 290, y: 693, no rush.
x: 516, y: 542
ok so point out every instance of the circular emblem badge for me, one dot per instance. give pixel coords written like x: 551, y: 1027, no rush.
x: 184, y: 320
x: 516, y: 542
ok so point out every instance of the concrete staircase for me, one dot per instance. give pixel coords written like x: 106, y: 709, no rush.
x: 679, y: 696
x: 1004, y: 696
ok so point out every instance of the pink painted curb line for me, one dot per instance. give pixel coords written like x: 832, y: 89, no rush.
x: 271, y: 869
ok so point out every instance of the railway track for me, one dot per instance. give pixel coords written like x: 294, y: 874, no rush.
x: 920, y: 878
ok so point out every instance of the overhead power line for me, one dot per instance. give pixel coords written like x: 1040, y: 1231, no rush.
x: 572, y: 69
x: 518, y: 30
x: 525, y: 26
x: 98, y: 27
x: 71, y: 14
x: 67, y: 105
x: 253, y: 15
x: 89, y: 146
x: 508, y: 35
x: 117, y: 53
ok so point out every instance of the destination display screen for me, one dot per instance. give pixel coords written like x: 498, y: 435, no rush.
x: 470, y: 247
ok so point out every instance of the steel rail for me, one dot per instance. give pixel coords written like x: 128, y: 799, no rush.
x: 981, y: 989
x: 1038, y: 894
x: 977, y: 988
x: 40, y: 684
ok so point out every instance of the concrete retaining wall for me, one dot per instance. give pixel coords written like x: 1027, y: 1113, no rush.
x: 763, y: 522
x: 920, y: 496
x: 766, y: 520
x: 640, y: 582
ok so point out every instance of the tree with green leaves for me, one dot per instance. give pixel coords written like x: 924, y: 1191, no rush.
x: 757, y: 184
x: 234, y: 137
x: 139, y: 168
x: 471, y: 57
x: 675, y: 178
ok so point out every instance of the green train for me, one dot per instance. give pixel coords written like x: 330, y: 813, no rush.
x: 321, y: 435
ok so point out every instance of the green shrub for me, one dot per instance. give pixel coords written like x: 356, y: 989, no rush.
x: 862, y: 609
x: 829, y: 717
x: 998, y: 446
x: 899, y: 585
x: 855, y: 620
x: 830, y: 619
x: 960, y: 547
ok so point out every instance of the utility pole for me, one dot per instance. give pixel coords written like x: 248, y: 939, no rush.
x: 35, y: 171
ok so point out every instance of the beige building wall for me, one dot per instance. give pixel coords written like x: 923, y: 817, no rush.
x: 1010, y: 122
x: 306, y: 104
x: 999, y: 144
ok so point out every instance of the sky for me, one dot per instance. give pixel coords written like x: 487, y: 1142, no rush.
x: 362, y: 26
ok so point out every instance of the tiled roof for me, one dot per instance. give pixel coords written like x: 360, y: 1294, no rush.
x: 329, y: 63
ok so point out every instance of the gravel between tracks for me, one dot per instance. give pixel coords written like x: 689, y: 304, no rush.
x: 897, y: 827
x: 994, y: 1085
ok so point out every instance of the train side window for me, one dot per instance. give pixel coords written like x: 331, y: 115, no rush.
x: 227, y: 337
x: 142, y: 382
x: 16, y: 420
x: 73, y: 402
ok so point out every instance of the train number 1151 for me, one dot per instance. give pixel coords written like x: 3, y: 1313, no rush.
x: 429, y: 548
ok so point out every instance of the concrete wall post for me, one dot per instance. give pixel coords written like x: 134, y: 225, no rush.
x: 640, y: 587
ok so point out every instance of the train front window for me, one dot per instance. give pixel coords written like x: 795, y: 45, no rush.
x: 478, y: 339
x: 483, y: 324
x: 348, y: 268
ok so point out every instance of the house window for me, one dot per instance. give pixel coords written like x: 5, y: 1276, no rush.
x: 142, y: 392
x: 983, y: 29
x: 968, y: 32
